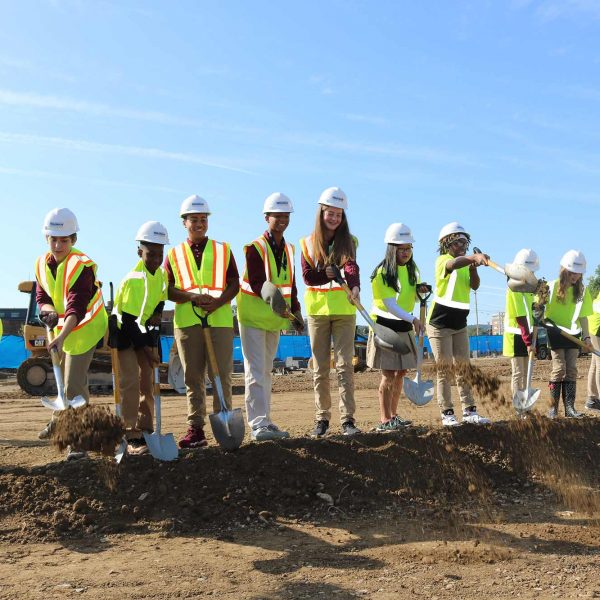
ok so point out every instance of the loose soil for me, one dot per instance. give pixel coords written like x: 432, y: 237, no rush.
x: 504, y: 510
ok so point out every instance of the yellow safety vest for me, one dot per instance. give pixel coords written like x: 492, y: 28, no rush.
x: 252, y: 310
x: 518, y: 304
x: 452, y: 290
x: 140, y: 292
x: 326, y: 299
x: 594, y: 320
x: 93, y: 325
x: 405, y: 298
x: 210, y: 278
x: 566, y: 316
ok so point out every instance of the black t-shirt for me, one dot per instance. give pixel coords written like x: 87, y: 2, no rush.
x: 446, y: 317
x: 398, y: 325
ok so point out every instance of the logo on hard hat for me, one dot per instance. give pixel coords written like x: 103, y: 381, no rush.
x: 56, y: 224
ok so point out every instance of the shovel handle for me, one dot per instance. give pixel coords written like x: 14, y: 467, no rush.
x: 490, y: 262
x: 116, y: 378
x: 571, y: 338
x: 342, y: 282
x: 157, y: 400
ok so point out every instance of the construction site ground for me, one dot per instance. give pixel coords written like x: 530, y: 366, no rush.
x: 502, y: 511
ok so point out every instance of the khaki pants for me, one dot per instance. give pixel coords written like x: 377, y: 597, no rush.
x: 322, y: 329
x: 194, y: 359
x: 450, y: 345
x: 518, y: 380
x: 75, y: 369
x: 136, y: 389
x: 259, y: 348
x: 594, y: 372
x: 564, y: 364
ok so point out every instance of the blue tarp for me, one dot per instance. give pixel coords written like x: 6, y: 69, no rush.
x: 12, y: 352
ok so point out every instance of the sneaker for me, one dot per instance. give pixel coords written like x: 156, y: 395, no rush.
x: 75, y: 454
x: 449, y: 418
x: 552, y: 413
x: 349, y: 428
x: 194, y: 438
x: 321, y: 428
x: 593, y: 404
x: 470, y: 416
x: 261, y: 434
x: 137, y: 446
x: 400, y: 423
x: 282, y: 434
x: 45, y: 433
x: 386, y: 427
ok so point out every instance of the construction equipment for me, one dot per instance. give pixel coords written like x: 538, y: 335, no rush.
x: 228, y: 426
x: 61, y: 402
x: 35, y: 374
x: 523, y: 400
x: 520, y: 278
x: 417, y: 391
x: 384, y: 336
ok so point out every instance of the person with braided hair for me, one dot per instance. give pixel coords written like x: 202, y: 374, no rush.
x: 455, y: 276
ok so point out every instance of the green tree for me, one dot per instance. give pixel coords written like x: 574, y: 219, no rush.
x: 594, y: 282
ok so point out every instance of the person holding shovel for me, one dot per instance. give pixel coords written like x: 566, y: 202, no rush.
x: 394, y: 282
x: 135, y: 319
x: 71, y: 306
x: 567, y: 310
x: 268, y: 299
x: 202, y: 273
x: 331, y: 312
x: 518, y: 324
x: 455, y: 276
x: 593, y: 401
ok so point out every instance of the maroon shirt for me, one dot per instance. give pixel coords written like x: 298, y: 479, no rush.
x: 256, y: 268
x: 78, y: 297
x: 525, y: 334
x: 317, y: 276
x: 197, y: 251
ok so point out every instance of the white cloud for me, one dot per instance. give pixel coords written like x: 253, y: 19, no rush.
x: 136, y: 151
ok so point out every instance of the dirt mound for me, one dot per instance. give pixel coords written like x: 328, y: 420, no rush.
x: 452, y: 474
x: 90, y: 428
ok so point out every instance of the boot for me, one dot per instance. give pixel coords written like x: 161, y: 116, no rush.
x: 569, y: 388
x: 555, y: 387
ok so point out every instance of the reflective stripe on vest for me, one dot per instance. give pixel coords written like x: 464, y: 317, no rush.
x: 516, y: 330
x: 129, y: 276
x: 596, y: 306
x: 574, y: 329
x: 307, y: 247
x: 182, y: 261
x: 446, y: 299
x: 263, y: 250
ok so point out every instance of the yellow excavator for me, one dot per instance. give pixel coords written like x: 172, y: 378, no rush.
x: 35, y: 376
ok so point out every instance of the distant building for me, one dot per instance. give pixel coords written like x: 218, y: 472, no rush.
x: 497, y: 323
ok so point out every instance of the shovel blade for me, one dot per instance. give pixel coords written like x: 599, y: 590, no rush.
x: 162, y: 446
x: 516, y: 285
x: 388, y: 339
x: 77, y: 402
x: 524, y: 401
x: 417, y: 391
x: 121, y: 451
x: 58, y: 404
x: 228, y: 427
x: 521, y: 273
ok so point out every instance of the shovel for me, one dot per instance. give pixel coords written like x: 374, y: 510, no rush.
x: 571, y: 338
x: 61, y: 402
x: 384, y: 337
x: 417, y: 391
x: 520, y: 278
x: 228, y: 426
x: 114, y: 357
x: 161, y: 446
x: 272, y: 295
x: 523, y: 400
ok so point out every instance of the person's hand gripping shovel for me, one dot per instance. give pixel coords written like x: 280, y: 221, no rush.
x: 61, y: 402
x: 523, y: 400
x: 272, y: 295
x: 519, y: 277
x: 161, y: 446
x: 228, y: 426
x: 417, y: 391
x: 384, y: 337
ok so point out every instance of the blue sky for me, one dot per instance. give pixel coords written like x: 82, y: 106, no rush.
x: 483, y: 112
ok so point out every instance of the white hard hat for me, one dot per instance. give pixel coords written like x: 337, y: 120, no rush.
x: 334, y: 196
x: 278, y: 203
x: 528, y: 258
x: 450, y: 228
x: 194, y: 205
x: 152, y: 232
x: 398, y: 233
x: 574, y: 261
x: 60, y: 222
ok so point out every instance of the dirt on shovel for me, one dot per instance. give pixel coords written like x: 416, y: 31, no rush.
x: 90, y: 429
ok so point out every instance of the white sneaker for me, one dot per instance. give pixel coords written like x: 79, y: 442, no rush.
x: 282, y: 434
x: 449, y: 420
x: 262, y: 434
x: 75, y: 454
x: 471, y: 416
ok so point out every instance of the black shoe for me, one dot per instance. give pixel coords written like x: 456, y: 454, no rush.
x: 349, y: 428
x: 321, y: 428
x: 593, y: 404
